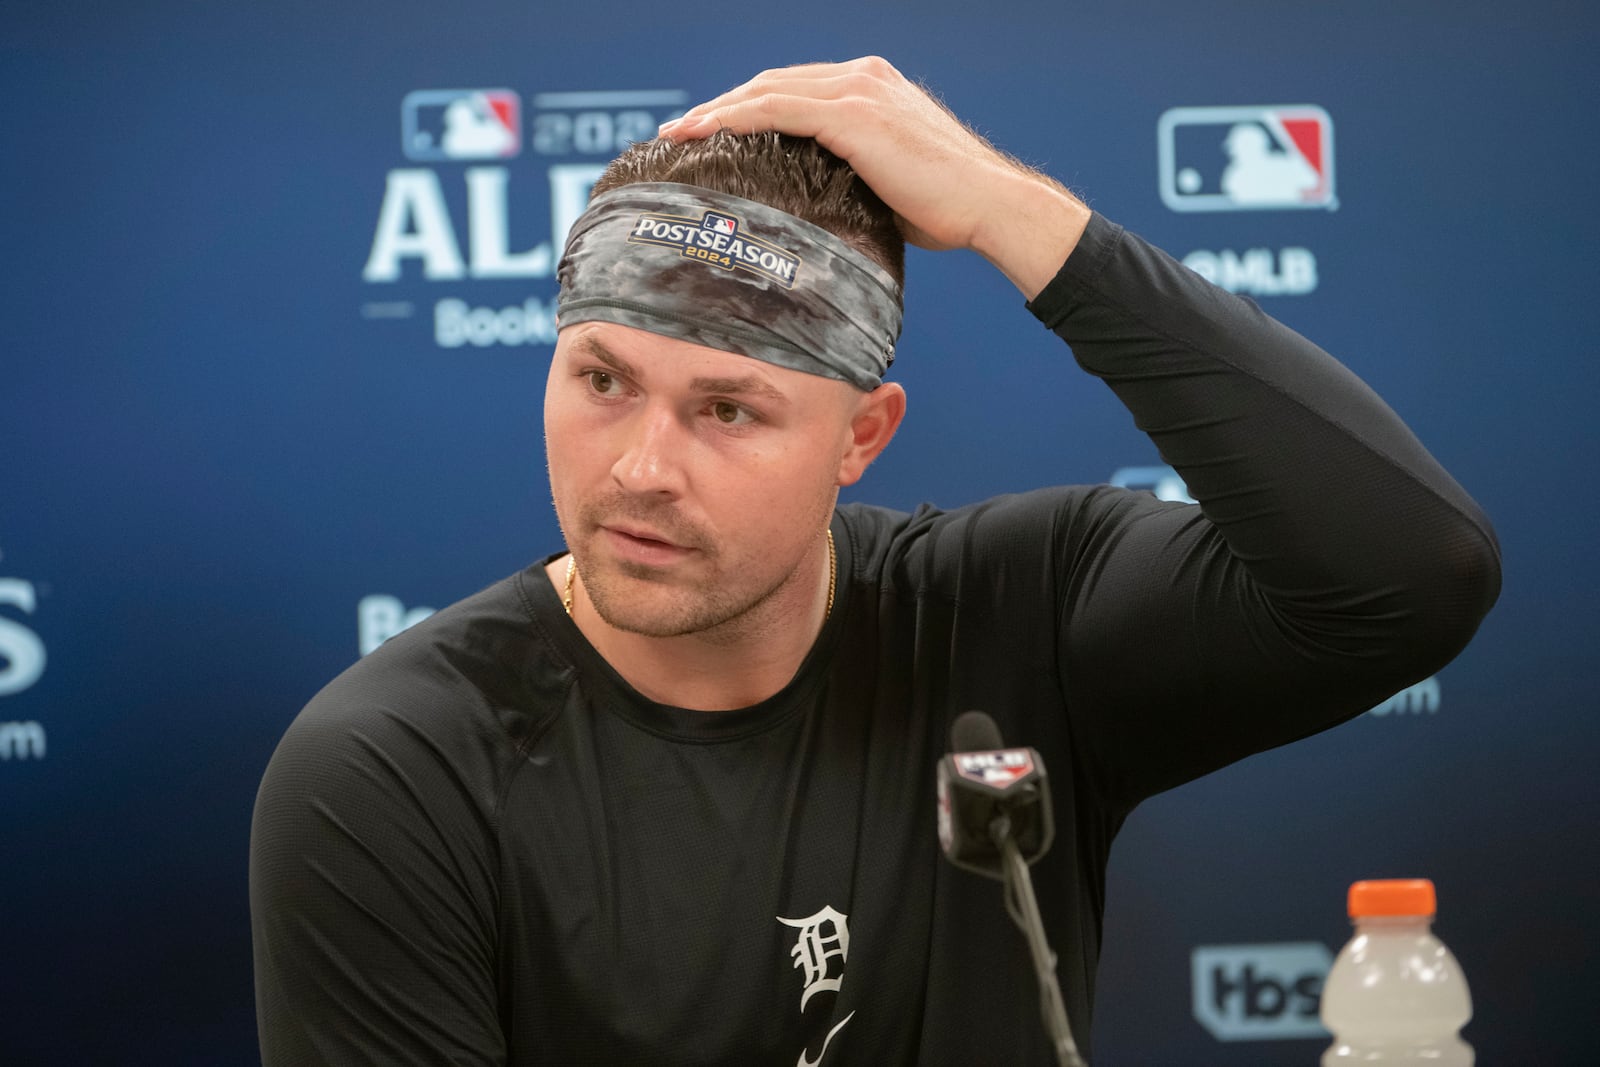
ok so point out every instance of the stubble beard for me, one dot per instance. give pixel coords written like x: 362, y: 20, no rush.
x: 709, y: 609
x: 713, y: 606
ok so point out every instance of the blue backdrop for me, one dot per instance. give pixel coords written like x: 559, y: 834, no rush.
x: 274, y: 333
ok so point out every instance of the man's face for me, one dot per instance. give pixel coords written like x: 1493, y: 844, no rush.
x: 689, y: 482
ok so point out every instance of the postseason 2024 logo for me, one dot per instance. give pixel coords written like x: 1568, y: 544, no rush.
x: 1274, y: 158
x: 718, y: 240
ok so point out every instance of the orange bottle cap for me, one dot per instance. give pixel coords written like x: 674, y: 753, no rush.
x: 1392, y: 896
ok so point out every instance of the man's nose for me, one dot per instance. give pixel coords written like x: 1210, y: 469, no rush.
x: 653, y: 453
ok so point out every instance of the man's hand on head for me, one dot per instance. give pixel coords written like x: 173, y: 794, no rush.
x: 949, y: 186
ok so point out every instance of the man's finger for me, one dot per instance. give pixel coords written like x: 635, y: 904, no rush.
x: 822, y: 81
x: 797, y: 116
x: 829, y: 87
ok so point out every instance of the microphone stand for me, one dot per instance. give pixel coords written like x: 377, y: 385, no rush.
x: 1023, y: 907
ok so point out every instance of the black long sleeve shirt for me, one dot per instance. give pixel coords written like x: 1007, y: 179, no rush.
x: 479, y: 845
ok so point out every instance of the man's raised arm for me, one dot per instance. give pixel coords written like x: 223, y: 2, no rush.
x: 1334, y: 562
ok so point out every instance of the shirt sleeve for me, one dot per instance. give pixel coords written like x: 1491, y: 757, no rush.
x: 372, y: 896
x: 1331, y: 561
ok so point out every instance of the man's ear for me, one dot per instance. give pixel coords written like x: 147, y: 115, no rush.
x: 876, y: 418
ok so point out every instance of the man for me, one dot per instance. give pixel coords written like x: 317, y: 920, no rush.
x: 668, y: 798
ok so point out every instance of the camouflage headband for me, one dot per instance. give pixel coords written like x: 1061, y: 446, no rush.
x: 730, y: 274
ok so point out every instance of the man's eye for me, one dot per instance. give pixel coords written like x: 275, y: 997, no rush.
x: 729, y: 413
x: 601, y: 382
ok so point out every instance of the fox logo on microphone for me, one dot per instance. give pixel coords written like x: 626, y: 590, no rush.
x: 1260, y: 992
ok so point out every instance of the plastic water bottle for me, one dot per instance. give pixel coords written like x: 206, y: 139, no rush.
x: 1395, y: 994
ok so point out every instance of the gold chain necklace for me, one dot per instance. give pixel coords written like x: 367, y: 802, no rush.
x: 833, y: 577
x: 572, y: 572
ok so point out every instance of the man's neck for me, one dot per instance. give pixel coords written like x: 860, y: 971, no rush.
x: 735, y: 665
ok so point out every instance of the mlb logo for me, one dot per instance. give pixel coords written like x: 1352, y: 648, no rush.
x: 1001, y: 769
x: 446, y: 124
x: 720, y: 223
x: 1247, y: 158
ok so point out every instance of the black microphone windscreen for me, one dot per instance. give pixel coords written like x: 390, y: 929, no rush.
x: 974, y: 731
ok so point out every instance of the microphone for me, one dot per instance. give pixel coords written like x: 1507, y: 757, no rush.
x: 981, y: 783
x: 995, y: 818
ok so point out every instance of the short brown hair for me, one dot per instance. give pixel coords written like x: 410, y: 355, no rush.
x: 793, y: 174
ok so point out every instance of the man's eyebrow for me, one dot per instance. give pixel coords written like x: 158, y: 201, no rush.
x: 744, y: 385
x: 590, y: 346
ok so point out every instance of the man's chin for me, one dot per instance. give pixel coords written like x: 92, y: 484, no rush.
x: 667, y: 621
x: 636, y: 601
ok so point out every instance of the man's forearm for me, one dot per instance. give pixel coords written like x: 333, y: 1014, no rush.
x: 1034, y: 226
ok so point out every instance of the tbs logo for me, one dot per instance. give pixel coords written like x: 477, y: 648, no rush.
x: 1260, y: 992
x: 446, y: 124
x: 1246, y: 158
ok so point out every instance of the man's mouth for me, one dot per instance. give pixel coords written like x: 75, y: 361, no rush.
x: 641, y: 533
x: 642, y: 545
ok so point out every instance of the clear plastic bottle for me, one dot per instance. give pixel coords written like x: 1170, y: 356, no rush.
x: 1395, y: 994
